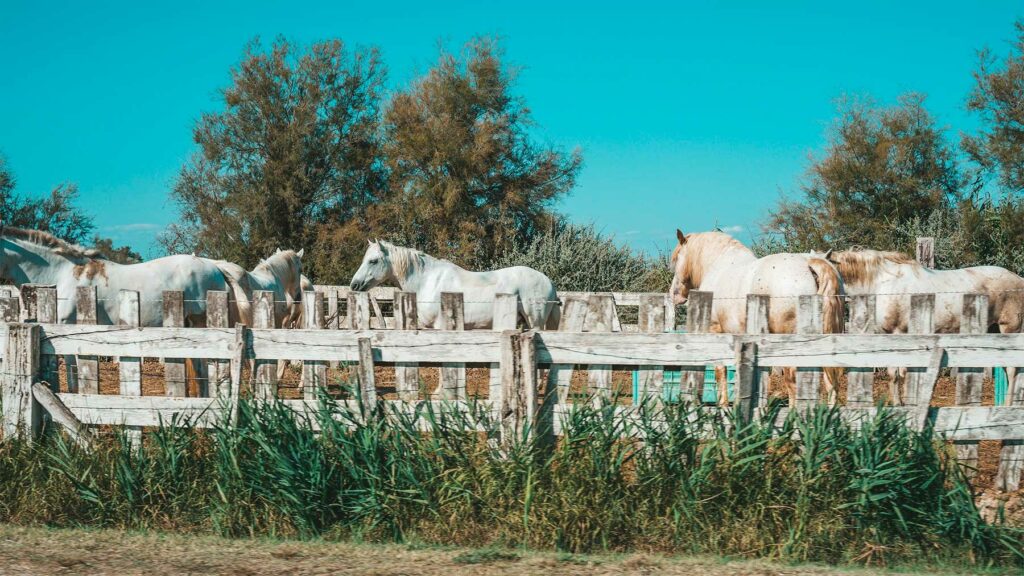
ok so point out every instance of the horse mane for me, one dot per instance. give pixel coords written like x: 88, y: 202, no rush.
x: 404, y: 261
x: 48, y: 240
x: 862, y: 266
x: 277, y: 264
x: 699, y: 247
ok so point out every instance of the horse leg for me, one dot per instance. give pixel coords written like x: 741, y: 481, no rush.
x: 789, y: 381
x: 722, y: 380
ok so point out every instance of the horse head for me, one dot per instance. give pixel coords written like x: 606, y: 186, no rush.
x: 375, y: 268
x: 681, y: 277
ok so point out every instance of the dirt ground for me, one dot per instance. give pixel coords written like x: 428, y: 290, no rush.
x: 38, y: 551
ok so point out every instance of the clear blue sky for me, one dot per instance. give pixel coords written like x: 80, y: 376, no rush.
x: 689, y: 114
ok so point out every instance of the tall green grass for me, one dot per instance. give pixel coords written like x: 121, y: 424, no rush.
x: 689, y: 481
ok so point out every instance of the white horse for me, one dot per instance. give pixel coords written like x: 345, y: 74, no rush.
x: 893, y: 277
x: 35, y: 257
x: 717, y: 263
x: 428, y: 277
x: 281, y: 274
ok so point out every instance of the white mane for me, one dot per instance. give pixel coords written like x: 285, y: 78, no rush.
x: 48, y: 240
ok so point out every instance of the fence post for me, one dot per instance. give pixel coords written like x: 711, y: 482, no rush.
x: 238, y: 353
x: 266, y: 370
x: 757, y: 323
x: 652, y: 321
x: 973, y: 320
x: 407, y: 374
x: 453, y: 374
x: 922, y: 313
x: 513, y: 400
x: 747, y: 380
x: 314, y: 372
x: 41, y: 307
x: 860, y: 382
x: 333, y: 318
x: 10, y: 309
x: 88, y: 377
x: 358, y: 311
x: 1011, y: 457
x: 174, y: 368
x: 506, y: 316
x: 808, y: 380
x: 698, y: 321
x: 600, y: 314
x: 367, y: 378
x: 926, y: 251
x: 574, y: 314
x: 218, y: 383
x: 130, y: 367
x: 21, y: 413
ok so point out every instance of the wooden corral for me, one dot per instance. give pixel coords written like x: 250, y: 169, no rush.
x: 529, y: 374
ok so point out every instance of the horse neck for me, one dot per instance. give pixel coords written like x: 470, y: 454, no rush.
x: 40, y: 266
x: 884, y: 273
x: 270, y: 276
x: 711, y: 260
x: 416, y: 277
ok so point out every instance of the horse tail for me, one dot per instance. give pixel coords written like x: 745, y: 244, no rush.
x: 554, y: 307
x: 237, y: 279
x: 830, y: 287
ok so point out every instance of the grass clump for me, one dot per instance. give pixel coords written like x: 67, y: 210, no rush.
x: 810, y: 489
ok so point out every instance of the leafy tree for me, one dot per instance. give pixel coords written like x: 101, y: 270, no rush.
x: 294, y: 147
x: 883, y: 168
x: 466, y: 180
x: 56, y: 214
x: 998, y: 99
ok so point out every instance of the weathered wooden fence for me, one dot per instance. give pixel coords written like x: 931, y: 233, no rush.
x: 530, y: 371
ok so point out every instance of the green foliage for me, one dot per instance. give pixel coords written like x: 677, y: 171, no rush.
x: 55, y: 213
x: 882, y: 167
x: 700, y: 482
x: 998, y: 100
x: 466, y: 179
x: 580, y: 258
x: 294, y: 147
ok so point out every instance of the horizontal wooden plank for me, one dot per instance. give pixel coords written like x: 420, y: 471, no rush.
x: 137, y: 342
x: 881, y: 350
x: 105, y: 409
x: 634, y: 349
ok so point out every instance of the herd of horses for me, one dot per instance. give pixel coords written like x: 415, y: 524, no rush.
x: 706, y: 261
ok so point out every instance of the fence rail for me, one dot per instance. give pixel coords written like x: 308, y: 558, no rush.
x: 530, y: 371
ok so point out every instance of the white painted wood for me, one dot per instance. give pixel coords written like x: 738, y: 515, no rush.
x: 652, y: 321
x: 314, y: 372
x: 969, y: 380
x: 861, y: 381
x: 130, y: 367
x: 452, y: 384
x: 922, y: 321
x: 21, y: 413
x: 60, y: 414
x: 367, y: 379
x: 174, y: 368
x: 600, y: 311
x: 407, y: 374
x: 756, y: 323
x: 218, y: 370
x: 808, y: 379
x: 574, y: 315
x: 698, y: 321
x: 506, y: 316
x: 88, y: 381
x: 265, y: 367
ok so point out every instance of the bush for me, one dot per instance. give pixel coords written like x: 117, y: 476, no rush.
x: 580, y: 258
x: 814, y: 490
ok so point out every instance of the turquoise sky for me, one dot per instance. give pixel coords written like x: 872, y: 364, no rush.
x: 689, y: 114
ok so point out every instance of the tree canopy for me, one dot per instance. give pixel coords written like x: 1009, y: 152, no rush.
x: 301, y: 156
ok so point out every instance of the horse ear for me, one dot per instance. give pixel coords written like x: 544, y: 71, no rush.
x: 827, y: 254
x: 300, y: 252
x: 680, y: 236
x: 278, y: 251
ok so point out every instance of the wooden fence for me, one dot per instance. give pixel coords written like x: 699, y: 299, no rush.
x: 530, y: 371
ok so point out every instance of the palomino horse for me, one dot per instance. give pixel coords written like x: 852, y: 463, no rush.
x: 893, y: 277
x: 718, y: 263
x: 428, y: 277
